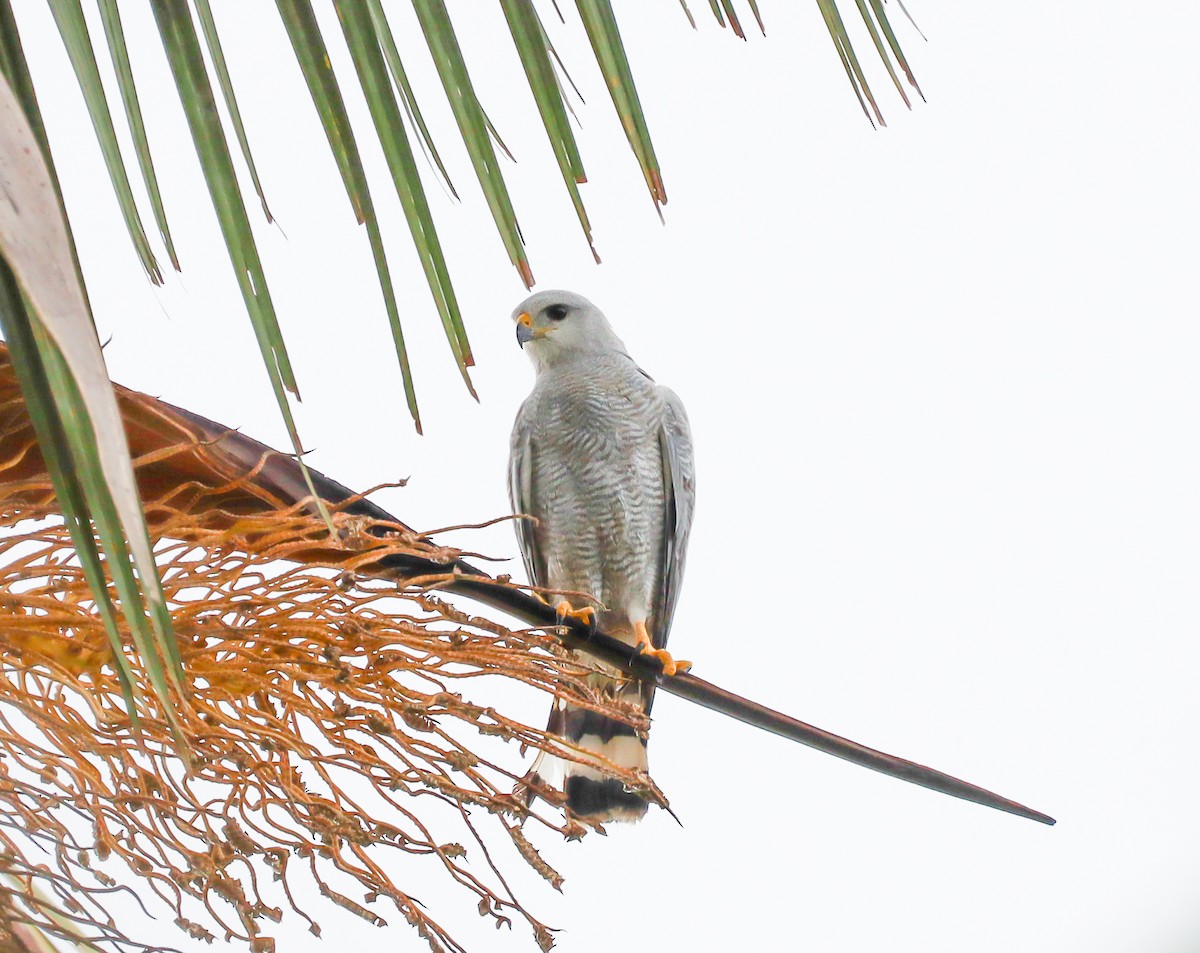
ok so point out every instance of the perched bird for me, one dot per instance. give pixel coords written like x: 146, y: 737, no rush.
x: 601, y: 458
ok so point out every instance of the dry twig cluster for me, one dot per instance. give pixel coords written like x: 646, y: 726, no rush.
x: 328, y: 726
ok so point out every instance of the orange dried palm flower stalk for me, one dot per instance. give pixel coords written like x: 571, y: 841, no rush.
x: 329, y: 726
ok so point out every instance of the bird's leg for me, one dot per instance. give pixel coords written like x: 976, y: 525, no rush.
x: 586, y: 615
x: 646, y: 647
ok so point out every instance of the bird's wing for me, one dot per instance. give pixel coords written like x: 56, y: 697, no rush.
x: 679, y: 485
x: 520, y: 494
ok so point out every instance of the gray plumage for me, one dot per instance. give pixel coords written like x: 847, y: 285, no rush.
x: 602, y: 459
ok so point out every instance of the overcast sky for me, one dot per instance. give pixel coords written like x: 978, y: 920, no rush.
x: 942, y: 381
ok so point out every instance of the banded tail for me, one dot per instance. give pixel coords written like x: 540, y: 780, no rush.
x: 590, y: 793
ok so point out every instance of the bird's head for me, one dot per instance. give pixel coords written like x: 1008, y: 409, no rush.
x: 556, y: 326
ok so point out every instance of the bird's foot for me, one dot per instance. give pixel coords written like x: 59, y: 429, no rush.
x: 586, y: 615
x: 646, y: 647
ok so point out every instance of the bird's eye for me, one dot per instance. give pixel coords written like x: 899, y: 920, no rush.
x: 556, y: 312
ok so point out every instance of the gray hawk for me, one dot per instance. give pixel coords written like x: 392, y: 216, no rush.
x: 601, y: 458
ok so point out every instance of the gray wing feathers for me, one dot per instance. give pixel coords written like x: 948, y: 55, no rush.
x: 520, y: 494
x: 679, y: 486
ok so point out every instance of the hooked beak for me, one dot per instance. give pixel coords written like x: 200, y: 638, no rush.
x: 525, y: 332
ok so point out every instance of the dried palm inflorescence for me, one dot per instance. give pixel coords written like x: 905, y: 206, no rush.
x: 327, y: 727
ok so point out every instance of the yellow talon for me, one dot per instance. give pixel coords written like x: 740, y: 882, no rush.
x: 646, y: 646
x: 586, y: 615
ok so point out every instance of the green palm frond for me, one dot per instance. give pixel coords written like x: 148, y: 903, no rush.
x: 115, y: 35
x: 47, y: 322
x: 369, y: 63
x: 68, y: 14
x: 396, y: 115
x: 209, y: 26
x: 533, y: 46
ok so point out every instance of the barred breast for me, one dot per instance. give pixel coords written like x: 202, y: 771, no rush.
x: 598, y: 484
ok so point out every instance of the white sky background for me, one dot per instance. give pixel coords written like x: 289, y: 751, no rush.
x: 942, y: 380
